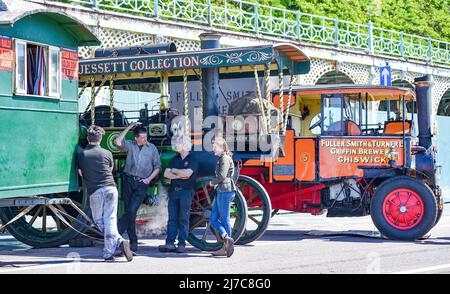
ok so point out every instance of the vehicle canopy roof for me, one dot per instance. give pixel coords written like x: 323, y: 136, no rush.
x: 12, y: 11
x: 375, y: 92
x: 232, y: 63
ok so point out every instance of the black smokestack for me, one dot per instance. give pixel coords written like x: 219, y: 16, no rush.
x: 210, y: 77
x: 424, y: 106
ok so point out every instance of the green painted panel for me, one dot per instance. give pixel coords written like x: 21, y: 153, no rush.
x: 37, y: 152
x: 6, y: 82
x: 38, y: 135
x: 69, y: 90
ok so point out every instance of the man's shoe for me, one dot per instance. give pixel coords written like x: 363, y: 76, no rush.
x: 125, y: 246
x: 110, y: 259
x: 134, y: 247
x: 220, y: 252
x: 167, y: 248
x: 181, y: 249
x: 229, y: 245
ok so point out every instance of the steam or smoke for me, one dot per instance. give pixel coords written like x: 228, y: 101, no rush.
x: 152, y: 220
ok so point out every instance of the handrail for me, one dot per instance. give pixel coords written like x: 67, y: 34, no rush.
x: 264, y: 20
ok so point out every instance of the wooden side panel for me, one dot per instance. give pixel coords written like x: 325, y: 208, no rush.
x: 284, y: 167
x: 305, y: 159
x: 276, y: 100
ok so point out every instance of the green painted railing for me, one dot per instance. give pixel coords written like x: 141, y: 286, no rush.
x: 254, y: 18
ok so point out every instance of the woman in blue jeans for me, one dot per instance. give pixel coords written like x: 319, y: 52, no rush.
x: 220, y: 215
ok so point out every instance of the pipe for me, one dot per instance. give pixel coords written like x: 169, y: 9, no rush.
x: 424, y: 105
x: 210, y: 77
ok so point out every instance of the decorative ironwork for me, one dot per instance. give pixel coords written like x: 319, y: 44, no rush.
x: 251, y: 17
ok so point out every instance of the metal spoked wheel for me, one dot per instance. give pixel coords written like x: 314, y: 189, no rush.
x: 259, y: 209
x: 201, y: 233
x: 404, y: 208
x: 40, y: 227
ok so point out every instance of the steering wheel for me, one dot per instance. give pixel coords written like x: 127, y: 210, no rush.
x: 318, y: 123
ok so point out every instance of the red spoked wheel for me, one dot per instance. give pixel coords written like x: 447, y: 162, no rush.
x: 403, y: 208
x: 201, y: 234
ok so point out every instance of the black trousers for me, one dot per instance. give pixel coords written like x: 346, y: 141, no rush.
x: 134, y: 192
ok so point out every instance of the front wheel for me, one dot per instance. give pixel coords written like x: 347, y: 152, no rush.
x: 404, y: 208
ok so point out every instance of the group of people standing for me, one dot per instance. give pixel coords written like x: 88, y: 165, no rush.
x: 142, y: 166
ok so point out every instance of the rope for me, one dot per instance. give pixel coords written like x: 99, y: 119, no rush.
x: 286, y: 114
x: 83, y: 89
x: 92, y: 104
x: 280, y: 87
x: 186, y: 101
x: 261, y: 103
x: 267, y: 80
x: 111, y: 101
x: 201, y: 97
x: 88, y: 108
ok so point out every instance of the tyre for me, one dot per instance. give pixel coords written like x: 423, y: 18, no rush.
x: 201, y: 234
x: 259, y: 209
x: 403, y: 208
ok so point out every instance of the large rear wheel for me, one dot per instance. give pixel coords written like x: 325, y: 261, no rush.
x: 404, y: 208
x: 259, y: 209
x: 201, y: 234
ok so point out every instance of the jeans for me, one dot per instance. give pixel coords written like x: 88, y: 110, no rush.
x: 179, y: 211
x: 134, y: 193
x: 220, y: 214
x: 104, y: 212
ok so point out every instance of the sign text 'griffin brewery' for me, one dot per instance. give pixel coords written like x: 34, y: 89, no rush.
x: 139, y: 65
x: 359, y: 151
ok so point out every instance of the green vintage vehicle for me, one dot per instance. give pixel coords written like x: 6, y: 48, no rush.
x: 39, y: 119
x: 42, y: 201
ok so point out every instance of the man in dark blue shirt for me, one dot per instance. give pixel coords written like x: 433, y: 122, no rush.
x: 182, y: 171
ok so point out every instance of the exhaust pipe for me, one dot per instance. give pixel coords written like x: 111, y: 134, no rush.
x: 425, y: 161
x: 424, y: 106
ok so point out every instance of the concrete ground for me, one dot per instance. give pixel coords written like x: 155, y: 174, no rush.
x: 294, y: 243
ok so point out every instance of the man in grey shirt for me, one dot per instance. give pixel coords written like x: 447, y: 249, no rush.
x: 95, y: 166
x: 142, y: 166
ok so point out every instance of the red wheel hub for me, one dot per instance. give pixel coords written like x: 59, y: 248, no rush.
x: 403, y: 209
